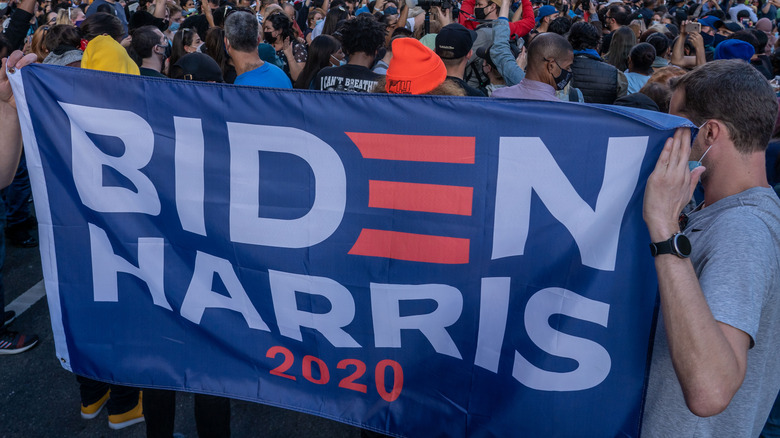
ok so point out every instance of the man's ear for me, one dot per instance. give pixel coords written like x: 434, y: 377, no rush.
x: 716, y: 131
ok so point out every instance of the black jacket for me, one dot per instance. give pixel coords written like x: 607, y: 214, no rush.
x: 17, y: 28
x: 597, y: 80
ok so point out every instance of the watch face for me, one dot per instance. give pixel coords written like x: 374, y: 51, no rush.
x: 682, y: 245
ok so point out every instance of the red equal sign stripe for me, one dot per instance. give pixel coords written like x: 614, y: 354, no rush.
x: 428, y: 148
x: 431, y: 198
x: 411, y: 247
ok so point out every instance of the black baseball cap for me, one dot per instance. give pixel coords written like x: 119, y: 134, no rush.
x: 454, y: 41
x: 197, y: 67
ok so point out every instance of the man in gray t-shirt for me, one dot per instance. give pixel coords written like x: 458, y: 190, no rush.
x: 715, y: 369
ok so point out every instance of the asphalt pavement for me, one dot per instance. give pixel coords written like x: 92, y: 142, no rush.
x: 39, y: 398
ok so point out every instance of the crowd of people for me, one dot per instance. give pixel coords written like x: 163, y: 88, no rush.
x: 716, y: 368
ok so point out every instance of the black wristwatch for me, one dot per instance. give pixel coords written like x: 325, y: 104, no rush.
x: 678, y: 245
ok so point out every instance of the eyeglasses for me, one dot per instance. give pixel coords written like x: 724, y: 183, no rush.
x: 556, y: 63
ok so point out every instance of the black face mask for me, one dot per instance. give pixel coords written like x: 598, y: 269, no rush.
x: 269, y: 37
x: 161, y: 24
x: 479, y: 13
x: 707, y: 39
x: 562, y: 79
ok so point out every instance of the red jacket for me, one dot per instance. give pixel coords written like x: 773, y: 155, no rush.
x: 519, y: 28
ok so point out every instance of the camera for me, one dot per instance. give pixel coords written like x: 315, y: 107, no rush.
x: 426, y: 5
x: 693, y: 28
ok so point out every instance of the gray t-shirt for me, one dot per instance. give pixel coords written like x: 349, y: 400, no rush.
x: 736, y: 255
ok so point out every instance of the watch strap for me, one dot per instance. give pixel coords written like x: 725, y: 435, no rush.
x: 678, y: 245
x: 659, y: 248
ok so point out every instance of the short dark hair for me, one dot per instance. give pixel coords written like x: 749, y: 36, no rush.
x: 241, y: 31
x: 584, y: 35
x: 62, y: 35
x: 560, y: 25
x: 362, y: 34
x: 545, y: 46
x: 145, y: 39
x: 620, y: 13
x: 660, y: 42
x: 102, y: 23
x: 735, y: 93
x: 642, y: 57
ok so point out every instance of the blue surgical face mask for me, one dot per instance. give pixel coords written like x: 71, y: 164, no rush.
x: 3, y: 6
x: 174, y: 27
x: 694, y: 164
x: 192, y: 10
x: 340, y: 61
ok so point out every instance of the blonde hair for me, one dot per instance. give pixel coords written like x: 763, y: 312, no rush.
x: 173, y: 8
x: 638, y: 26
x: 312, y: 13
x: 63, y: 16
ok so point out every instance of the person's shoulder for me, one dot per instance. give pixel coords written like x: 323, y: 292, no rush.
x: 753, y: 216
x: 279, y: 77
x: 353, y: 71
x: 270, y: 67
x: 471, y: 91
x: 329, y: 71
x: 506, y: 91
x: 93, y: 7
x: 353, y: 68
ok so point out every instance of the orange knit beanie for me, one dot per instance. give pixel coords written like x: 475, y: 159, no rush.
x: 414, y: 68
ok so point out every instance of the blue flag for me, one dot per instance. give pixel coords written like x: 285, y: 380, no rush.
x: 416, y: 265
